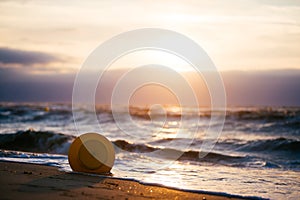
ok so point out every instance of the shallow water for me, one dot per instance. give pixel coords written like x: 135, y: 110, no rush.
x: 257, y: 154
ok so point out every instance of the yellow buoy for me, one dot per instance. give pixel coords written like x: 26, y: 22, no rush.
x: 46, y: 109
x: 91, y: 153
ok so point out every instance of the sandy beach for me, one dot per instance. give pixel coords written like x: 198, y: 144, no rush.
x: 30, y: 181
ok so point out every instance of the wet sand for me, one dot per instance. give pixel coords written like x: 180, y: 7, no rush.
x: 30, y: 181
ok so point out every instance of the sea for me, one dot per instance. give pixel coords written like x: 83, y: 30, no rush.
x: 256, y: 155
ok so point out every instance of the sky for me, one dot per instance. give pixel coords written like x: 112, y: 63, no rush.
x: 43, y: 43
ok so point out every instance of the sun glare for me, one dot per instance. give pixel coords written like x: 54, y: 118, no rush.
x: 148, y: 57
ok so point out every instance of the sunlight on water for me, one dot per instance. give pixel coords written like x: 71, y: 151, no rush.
x: 257, y: 153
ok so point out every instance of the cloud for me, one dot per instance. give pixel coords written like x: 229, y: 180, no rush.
x: 10, y: 56
x: 279, y: 2
x: 212, y: 24
x: 243, y: 88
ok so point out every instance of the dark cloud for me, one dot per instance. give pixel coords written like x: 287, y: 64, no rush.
x: 21, y: 57
x: 264, y: 88
x: 18, y: 86
x: 243, y: 88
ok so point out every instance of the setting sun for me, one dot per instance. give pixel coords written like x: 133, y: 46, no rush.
x: 141, y: 99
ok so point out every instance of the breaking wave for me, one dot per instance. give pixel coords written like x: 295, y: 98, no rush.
x: 57, y: 143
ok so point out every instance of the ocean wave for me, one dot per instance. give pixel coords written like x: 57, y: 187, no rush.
x: 278, y: 144
x: 228, y: 152
x: 57, y: 143
x: 266, y: 114
x: 168, y: 153
x: 285, y: 117
x: 281, y: 144
x: 47, y: 141
x: 36, y: 141
x: 10, y: 113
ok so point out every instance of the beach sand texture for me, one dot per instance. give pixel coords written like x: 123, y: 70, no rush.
x: 30, y: 181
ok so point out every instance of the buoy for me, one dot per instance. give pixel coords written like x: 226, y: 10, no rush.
x: 91, y: 153
x: 46, y: 109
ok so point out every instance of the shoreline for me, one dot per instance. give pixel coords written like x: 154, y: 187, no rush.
x: 26, y: 181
